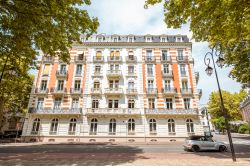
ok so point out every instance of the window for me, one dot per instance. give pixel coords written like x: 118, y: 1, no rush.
x: 112, y: 127
x: 98, y: 55
x: 152, y: 127
x: 150, y: 69
x: 98, y: 69
x: 78, y: 69
x: 36, y: 126
x: 131, y: 127
x: 184, y: 84
x: 63, y: 69
x: 131, y: 69
x: 40, y: 104
x: 99, y: 39
x: 130, y: 39
x: 114, y: 84
x: 95, y: 103
x: 114, y: 67
x: 150, y: 85
x: 183, y: 69
x: 131, y: 85
x: 131, y: 104
x: 171, y: 126
x: 93, y: 127
x: 163, y: 39
x: 151, y: 103
x: 131, y: 55
x: 167, y: 85
x: 80, y: 56
x: 148, y: 39
x: 149, y: 55
x: 169, y: 104
x: 53, y: 126
x: 57, y: 103
x: 187, y: 103
x: 43, y: 86
x: 115, y: 39
x: 60, y: 85
x: 178, y: 39
x: 77, y: 85
x: 72, y: 126
x: 46, y: 69
x: 180, y: 54
x: 75, y: 103
x: 12, y: 123
x: 96, y: 85
x: 164, y: 55
x: 166, y: 69
x: 190, y: 126
x: 113, y: 103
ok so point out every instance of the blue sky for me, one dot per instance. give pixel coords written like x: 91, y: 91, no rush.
x: 129, y: 17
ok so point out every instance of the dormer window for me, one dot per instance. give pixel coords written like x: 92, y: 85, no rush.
x: 99, y: 39
x: 130, y: 39
x: 148, y: 39
x: 115, y: 39
x: 163, y: 39
x: 178, y: 39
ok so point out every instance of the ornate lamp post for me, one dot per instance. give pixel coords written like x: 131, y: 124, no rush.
x: 209, y: 71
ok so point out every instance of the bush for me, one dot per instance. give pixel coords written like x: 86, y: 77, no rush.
x: 244, y: 129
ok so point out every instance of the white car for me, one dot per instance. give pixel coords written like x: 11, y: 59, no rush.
x: 200, y: 143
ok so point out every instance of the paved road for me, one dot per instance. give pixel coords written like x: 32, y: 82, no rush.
x: 123, y: 154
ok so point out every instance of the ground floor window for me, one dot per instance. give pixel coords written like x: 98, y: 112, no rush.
x: 131, y: 127
x: 171, y: 126
x: 112, y: 127
x: 36, y: 126
x: 53, y: 126
x: 93, y: 127
x: 190, y: 126
x: 152, y: 127
x: 72, y: 126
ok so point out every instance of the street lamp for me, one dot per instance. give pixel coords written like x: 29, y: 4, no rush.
x: 209, y: 71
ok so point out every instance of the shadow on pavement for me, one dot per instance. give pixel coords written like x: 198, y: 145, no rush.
x: 73, y: 154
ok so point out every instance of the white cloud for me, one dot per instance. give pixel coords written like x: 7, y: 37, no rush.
x: 130, y: 17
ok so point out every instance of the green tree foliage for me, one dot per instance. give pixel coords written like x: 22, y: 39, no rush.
x: 222, y: 22
x: 231, y: 103
x: 244, y: 129
x: 219, y: 123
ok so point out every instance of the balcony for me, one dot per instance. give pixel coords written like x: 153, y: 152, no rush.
x: 168, y: 74
x: 80, y: 59
x: 60, y: 111
x: 76, y: 91
x: 98, y: 59
x: 184, y: 75
x: 113, y: 91
x: 40, y: 91
x: 131, y: 74
x: 186, y: 91
x: 149, y: 59
x: 130, y: 59
x: 114, y: 73
x: 61, y: 74
x: 96, y: 91
x: 166, y: 59
x: 114, y: 59
x: 131, y: 91
x: 151, y: 91
x: 199, y: 92
x: 113, y: 111
x: 182, y: 58
x: 97, y: 74
x: 48, y: 59
x: 170, y: 112
x: 197, y: 76
x: 168, y: 91
x: 57, y: 91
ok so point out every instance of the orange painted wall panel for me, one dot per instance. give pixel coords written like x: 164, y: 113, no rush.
x: 158, y: 77
x: 176, y: 77
x: 70, y: 76
x: 52, y: 82
x: 190, y: 77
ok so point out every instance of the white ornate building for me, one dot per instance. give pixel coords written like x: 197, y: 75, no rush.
x: 117, y: 88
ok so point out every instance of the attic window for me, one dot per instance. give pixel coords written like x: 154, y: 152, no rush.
x: 178, y: 39
x: 130, y: 39
x: 115, y: 39
x: 163, y: 39
x: 99, y: 39
x: 148, y: 39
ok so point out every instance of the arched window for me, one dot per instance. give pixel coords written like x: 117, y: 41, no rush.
x: 171, y: 126
x: 152, y: 127
x: 93, y: 127
x: 36, y: 126
x: 190, y: 126
x: 131, y: 127
x: 53, y: 126
x: 112, y: 127
x: 72, y: 126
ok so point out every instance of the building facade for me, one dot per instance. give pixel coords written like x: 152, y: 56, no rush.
x: 245, y: 109
x: 117, y: 88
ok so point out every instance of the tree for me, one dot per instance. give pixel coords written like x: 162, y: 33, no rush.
x: 231, y: 103
x: 219, y: 123
x: 221, y: 22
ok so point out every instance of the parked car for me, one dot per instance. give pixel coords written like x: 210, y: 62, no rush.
x: 201, y: 143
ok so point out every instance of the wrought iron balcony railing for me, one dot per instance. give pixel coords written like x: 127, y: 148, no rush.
x: 131, y: 59
x: 48, y: 59
x: 182, y: 58
x: 98, y: 59
x: 131, y: 91
x: 152, y: 91
x: 55, y: 110
x: 61, y: 73
x: 186, y: 91
x: 41, y: 91
x: 166, y: 59
x: 80, y: 59
x: 76, y: 90
x: 113, y: 91
x: 114, y: 59
x: 149, y: 59
x: 114, y: 73
x: 167, y: 74
x: 58, y: 90
x: 168, y: 91
x: 113, y: 111
x: 96, y: 91
x: 171, y: 112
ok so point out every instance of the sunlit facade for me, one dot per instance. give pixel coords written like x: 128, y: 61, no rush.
x: 117, y: 88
